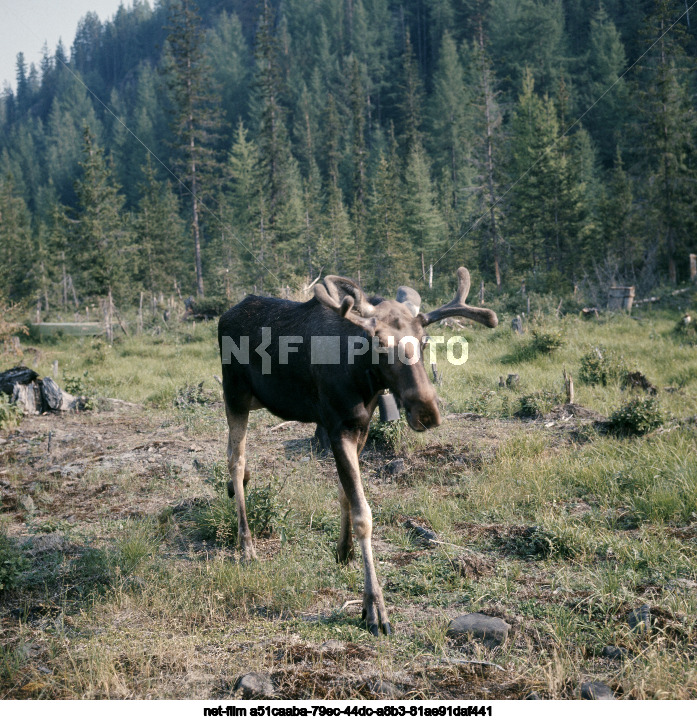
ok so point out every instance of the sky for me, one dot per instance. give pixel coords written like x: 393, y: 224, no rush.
x: 26, y: 24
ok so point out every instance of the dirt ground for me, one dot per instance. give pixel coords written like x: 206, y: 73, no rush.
x: 90, y: 472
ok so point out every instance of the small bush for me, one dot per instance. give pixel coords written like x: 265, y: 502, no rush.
x: 10, y: 415
x: 217, y: 522
x: 78, y: 385
x: 538, y: 403
x: 547, y: 341
x: 192, y: 395
x: 638, y: 416
x: 12, y: 564
x: 482, y: 403
x: 686, y: 329
x: 601, y: 366
x: 387, y: 436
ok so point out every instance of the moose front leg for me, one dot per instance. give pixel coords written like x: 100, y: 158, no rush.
x: 237, y: 440
x: 346, y: 456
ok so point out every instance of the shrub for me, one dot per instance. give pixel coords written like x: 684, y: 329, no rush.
x: 217, y: 521
x: 638, y: 416
x: 388, y: 435
x: 482, y: 403
x: 78, y: 385
x: 547, y: 341
x: 686, y: 329
x: 12, y: 564
x: 538, y: 403
x: 192, y: 395
x: 601, y: 366
x: 10, y: 415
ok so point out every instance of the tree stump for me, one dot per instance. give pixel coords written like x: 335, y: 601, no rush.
x: 19, y: 375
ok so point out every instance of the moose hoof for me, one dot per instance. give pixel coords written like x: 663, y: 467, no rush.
x: 248, y: 552
x: 344, y: 555
x: 375, y: 629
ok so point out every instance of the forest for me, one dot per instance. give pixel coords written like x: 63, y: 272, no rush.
x: 232, y: 146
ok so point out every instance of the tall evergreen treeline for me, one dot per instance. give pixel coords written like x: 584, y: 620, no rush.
x: 370, y: 138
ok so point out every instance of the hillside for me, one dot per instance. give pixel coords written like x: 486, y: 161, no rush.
x: 371, y: 138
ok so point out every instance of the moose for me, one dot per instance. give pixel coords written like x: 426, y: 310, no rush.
x: 326, y: 361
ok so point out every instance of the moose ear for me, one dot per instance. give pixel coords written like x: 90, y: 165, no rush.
x: 346, y: 299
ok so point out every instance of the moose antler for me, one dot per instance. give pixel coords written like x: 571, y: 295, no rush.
x: 343, y: 295
x: 457, y: 306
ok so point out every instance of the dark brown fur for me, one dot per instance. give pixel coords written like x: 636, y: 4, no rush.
x: 339, y: 398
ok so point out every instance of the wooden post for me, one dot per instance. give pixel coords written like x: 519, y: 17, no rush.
x: 693, y: 267
x: 38, y: 311
x: 430, y: 276
x: 423, y: 267
x: 55, y: 370
x: 140, y: 314
x: 65, y: 286
x: 108, y: 328
x: 481, y: 294
x: 528, y: 306
x: 72, y: 288
x: 569, y: 387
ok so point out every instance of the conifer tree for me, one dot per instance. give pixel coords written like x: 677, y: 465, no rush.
x: 603, y: 63
x: 668, y: 128
x: 160, y: 236
x: 450, y: 137
x: 102, y: 252
x: 195, y: 114
x: 15, y: 243
x: 423, y: 223
x: 411, y: 91
x: 617, y: 221
x: 386, y: 246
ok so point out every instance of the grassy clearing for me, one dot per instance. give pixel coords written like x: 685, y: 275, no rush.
x: 119, y: 577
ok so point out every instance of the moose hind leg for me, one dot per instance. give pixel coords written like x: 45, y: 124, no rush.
x: 374, y: 611
x: 237, y: 439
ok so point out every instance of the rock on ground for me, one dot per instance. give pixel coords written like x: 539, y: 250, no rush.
x: 255, y: 685
x: 640, y: 619
x: 615, y: 652
x: 594, y: 690
x: 490, y: 631
x: 382, y: 689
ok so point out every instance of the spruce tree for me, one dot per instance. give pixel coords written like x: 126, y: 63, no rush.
x: 15, y: 243
x: 195, y: 116
x: 666, y: 139
x: 160, y: 235
x: 423, y: 223
x: 602, y: 66
x: 101, y: 255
